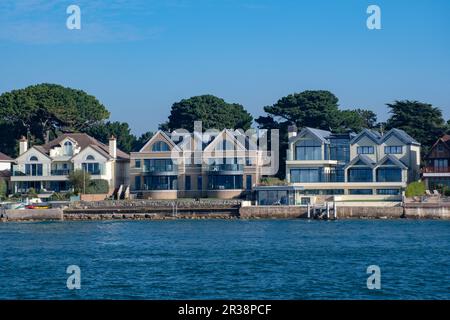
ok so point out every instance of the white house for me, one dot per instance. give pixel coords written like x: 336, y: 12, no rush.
x: 46, y: 167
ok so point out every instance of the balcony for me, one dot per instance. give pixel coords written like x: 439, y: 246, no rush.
x: 226, y: 169
x: 161, y: 170
x: 436, y: 170
x: 60, y: 172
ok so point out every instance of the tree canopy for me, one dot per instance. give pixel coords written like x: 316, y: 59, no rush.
x: 214, y: 113
x: 121, y: 130
x: 420, y: 120
x: 44, y: 109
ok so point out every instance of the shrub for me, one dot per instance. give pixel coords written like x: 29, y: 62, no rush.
x: 98, y: 186
x: 415, y: 189
x: 272, y: 181
x: 3, y: 189
x: 32, y: 193
x: 56, y: 196
x: 79, y: 180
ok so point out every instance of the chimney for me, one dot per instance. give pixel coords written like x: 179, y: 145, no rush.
x: 23, y: 145
x: 113, y: 147
x: 292, y: 131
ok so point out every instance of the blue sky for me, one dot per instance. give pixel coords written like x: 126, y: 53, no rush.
x: 138, y: 57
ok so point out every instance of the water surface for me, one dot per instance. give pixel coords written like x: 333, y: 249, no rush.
x: 218, y: 259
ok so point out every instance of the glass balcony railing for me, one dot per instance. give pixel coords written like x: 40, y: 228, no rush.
x: 160, y: 169
x: 60, y: 172
x: 226, y: 167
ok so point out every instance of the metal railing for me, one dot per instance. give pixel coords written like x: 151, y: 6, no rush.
x: 436, y: 170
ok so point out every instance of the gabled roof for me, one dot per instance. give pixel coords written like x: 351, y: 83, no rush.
x: 83, y: 140
x: 373, y: 135
x: 228, y: 133
x: 394, y: 160
x: 363, y: 158
x: 165, y: 136
x: 445, y: 140
x: 402, y: 135
x: 5, y: 158
x: 322, y: 135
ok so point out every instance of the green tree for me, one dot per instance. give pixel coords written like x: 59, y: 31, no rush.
x: 45, y: 109
x: 142, y: 140
x: 356, y: 120
x: 415, y: 189
x: 3, y: 189
x: 420, y: 120
x: 80, y: 181
x: 121, y: 130
x: 214, y: 113
x: 317, y: 109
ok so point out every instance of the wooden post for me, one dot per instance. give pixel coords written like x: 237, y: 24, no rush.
x: 308, y: 209
x: 335, y: 210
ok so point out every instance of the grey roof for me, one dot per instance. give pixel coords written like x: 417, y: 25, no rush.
x: 322, y: 135
x: 394, y: 160
x: 402, y: 135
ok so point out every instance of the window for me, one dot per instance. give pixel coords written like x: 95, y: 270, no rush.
x: 137, y: 163
x: 273, y: 197
x: 160, y: 183
x: 68, y: 148
x: 137, y: 183
x: 388, y: 192
x: 366, y: 150
x: 389, y: 174
x: 90, y: 158
x: 33, y: 169
x: 33, y: 158
x: 91, y: 167
x: 360, y: 175
x: 248, y: 182
x: 361, y: 191
x: 305, y: 175
x: 199, y: 183
x: 187, y: 183
x: 224, y: 182
x: 393, y: 150
x: 160, y: 146
x: 159, y: 165
x: 440, y: 147
x: 441, y: 164
x: 339, y: 149
x: 308, y: 150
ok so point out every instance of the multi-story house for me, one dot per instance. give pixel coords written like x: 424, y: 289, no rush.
x: 323, y: 163
x: 436, y: 172
x: 46, y: 167
x: 170, y: 166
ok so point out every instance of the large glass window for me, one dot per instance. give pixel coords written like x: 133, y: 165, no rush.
x: 91, y: 167
x: 389, y: 174
x: 187, y: 183
x: 360, y: 191
x: 441, y: 165
x: 158, y: 165
x: 305, y: 175
x: 360, y: 175
x: 160, y: 146
x: 137, y: 185
x: 273, y: 197
x: 308, y: 150
x: 393, y: 150
x: 68, y: 148
x: 389, y: 192
x: 160, y: 183
x: 224, y: 182
x: 339, y: 150
x: 34, y: 169
x: 365, y: 150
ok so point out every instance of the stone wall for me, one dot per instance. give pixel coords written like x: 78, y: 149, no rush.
x: 180, y: 203
x: 32, y: 215
x: 369, y: 212
x: 272, y: 212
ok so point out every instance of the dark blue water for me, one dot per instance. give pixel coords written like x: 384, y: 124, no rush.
x: 216, y: 259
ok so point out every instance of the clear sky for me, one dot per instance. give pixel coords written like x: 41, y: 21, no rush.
x: 138, y: 57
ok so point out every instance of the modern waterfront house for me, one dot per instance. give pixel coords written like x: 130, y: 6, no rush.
x: 436, y: 172
x: 46, y: 167
x: 222, y: 165
x: 322, y: 163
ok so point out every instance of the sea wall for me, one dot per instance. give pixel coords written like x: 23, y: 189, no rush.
x: 32, y: 215
x: 427, y: 210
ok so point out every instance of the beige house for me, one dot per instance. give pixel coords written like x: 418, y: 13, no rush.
x: 221, y: 165
x: 46, y: 167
